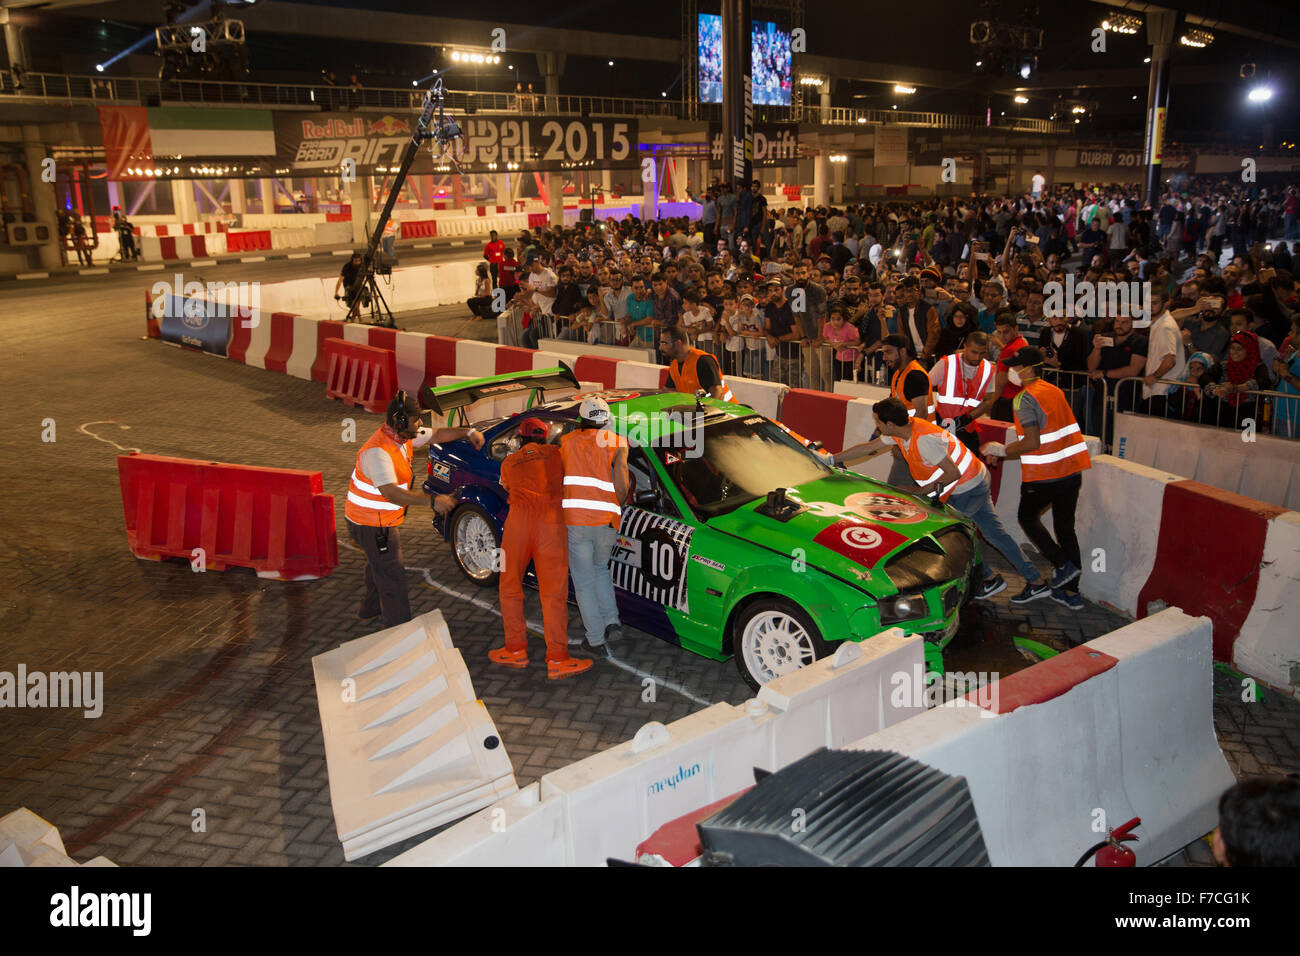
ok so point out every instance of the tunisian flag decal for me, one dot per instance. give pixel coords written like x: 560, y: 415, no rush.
x: 865, y: 543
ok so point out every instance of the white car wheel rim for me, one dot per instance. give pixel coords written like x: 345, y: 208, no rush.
x: 775, y: 644
x: 475, y: 546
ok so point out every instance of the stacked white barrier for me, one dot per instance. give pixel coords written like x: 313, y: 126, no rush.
x: 299, y: 296
x: 763, y: 397
x: 293, y: 238
x: 1266, y: 468
x: 637, y: 375
x: 281, y: 220
x: 1268, y: 646
x: 407, y: 744
x: 605, y: 805
x: 454, y: 281
x: 29, y: 840
x: 1134, y: 740
x: 1118, y: 523
x: 1008, y: 502
x: 414, y: 287
x: 863, y: 390
x: 574, y: 348
x: 306, y: 339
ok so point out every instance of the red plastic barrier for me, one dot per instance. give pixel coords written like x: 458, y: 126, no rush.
x: 595, y: 368
x: 1208, y: 557
x: 277, y: 521
x: 324, y: 330
x: 539, y: 219
x: 338, y: 217
x: 419, y: 228
x: 167, y: 247
x: 248, y: 241
x: 677, y: 842
x: 199, y: 245
x: 360, y: 375
x: 817, y: 416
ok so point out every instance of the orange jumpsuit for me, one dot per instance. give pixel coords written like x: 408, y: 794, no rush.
x: 535, y: 532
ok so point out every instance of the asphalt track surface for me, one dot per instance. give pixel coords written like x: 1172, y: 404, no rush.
x: 209, y: 697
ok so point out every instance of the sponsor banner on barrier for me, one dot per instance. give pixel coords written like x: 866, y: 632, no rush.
x: 196, y: 323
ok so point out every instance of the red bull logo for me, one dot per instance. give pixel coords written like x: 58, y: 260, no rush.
x: 389, y: 126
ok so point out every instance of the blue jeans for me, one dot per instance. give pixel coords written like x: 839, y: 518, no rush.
x: 978, y: 506
x: 589, y: 552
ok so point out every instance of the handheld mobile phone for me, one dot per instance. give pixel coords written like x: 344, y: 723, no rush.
x: 1107, y: 342
x: 1033, y: 239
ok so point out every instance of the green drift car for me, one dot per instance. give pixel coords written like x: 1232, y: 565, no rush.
x: 736, y: 539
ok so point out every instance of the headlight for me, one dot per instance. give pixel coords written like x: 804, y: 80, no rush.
x: 904, y: 607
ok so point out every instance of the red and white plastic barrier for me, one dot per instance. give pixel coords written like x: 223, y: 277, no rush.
x: 172, y: 248
x: 607, y: 804
x: 1116, y: 728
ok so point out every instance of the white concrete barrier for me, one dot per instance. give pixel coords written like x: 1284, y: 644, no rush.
x: 1136, y: 739
x: 281, y: 220
x: 762, y: 397
x: 605, y: 805
x: 864, y: 390
x: 305, y: 341
x: 1118, y: 523
x: 28, y: 840
x: 1268, y: 646
x: 574, y: 348
x: 1008, y: 502
x: 637, y: 375
x: 332, y: 233
x: 299, y: 296
x: 1266, y: 468
x: 407, y: 744
x: 454, y: 281
x: 293, y: 238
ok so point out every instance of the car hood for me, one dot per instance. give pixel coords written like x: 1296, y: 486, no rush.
x: 849, y: 527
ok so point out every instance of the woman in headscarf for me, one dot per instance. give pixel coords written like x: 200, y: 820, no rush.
x: 960, y: 321
x: 1241, y: 372
x: 1197, y: 376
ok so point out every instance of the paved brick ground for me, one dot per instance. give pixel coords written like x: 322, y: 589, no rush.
x: 210, y: 704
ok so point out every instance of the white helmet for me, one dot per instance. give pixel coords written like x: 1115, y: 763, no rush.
x: 594, y: 410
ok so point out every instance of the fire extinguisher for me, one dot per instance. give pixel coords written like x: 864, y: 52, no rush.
x: 1112, y: 851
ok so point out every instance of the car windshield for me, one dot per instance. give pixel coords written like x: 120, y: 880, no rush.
x: 736, y: 461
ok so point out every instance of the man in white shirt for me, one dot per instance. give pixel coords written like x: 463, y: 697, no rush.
x: 1039, y: 181
x: 540, y: 283
x: 1166, y: 357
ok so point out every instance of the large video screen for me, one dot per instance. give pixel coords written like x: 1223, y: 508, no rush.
x: 770, y: 53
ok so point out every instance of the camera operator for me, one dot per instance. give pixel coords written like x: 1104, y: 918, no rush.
x: 349, y: 276
x: 125, y: 236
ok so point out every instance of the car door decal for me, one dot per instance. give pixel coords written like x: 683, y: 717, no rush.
x: 650, y: 558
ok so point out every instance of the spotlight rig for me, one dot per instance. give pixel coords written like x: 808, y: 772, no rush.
x: 213, y: 48
x: 1006, y: 48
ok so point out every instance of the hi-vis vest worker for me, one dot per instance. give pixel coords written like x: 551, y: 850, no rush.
x: 1061, y: 449
x: 1053, y: 457
x: 958, y: 394
x: 690, y: 369
x: 595, y: 487
x: 927, y: 476
x: 378, y: 496
x: 908, y: 376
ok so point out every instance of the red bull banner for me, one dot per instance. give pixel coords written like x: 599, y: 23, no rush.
x: 374, y: 140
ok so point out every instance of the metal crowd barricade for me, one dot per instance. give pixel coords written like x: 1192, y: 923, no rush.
x: 1090, y: 401
x: 1272, y: 412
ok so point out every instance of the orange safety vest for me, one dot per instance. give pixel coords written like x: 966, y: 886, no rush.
x: 534, y: 477
x: 365, y: 504
x: 685, y: 377
x: 1061, y: 450
x: 958, y: 395
x: 390, y: 228
x: 925, y: 475
x: 589, y: 496
x: 896, y: 389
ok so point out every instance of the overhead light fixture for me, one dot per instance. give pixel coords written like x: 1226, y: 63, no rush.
x: 1147, y: 60
x: 1124, y: 23
x: 1196, y: 37
x: 905, y: 90
x: 862, y: 120
x: 99, y: 68
x: 810, y: 81
x: 611, y: 62
x: 979, y: 62
x: 1260, y: 94
x: 1021, y: 99
x: 895, y: 106
x: 1247, y: 71
x: 1078, y: 109
x: 838, y: 158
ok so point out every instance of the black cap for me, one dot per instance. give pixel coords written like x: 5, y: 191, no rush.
x: 1026, y: 356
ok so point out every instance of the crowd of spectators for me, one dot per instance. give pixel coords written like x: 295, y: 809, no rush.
x: 806, y: 296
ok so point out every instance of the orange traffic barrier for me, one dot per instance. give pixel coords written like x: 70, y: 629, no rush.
x: 360, y: 374
x: 277, y: 521
x: 151, y: 329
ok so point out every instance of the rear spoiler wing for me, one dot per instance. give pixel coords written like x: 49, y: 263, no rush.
x: 447, y: 399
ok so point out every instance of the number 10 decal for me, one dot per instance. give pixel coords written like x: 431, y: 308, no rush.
x: 649, y: 559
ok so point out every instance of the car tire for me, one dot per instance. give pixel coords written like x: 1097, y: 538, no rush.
x: 475, y: 544
x: 772, y: 637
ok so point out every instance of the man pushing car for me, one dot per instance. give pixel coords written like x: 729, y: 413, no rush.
x: 535, y: 531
